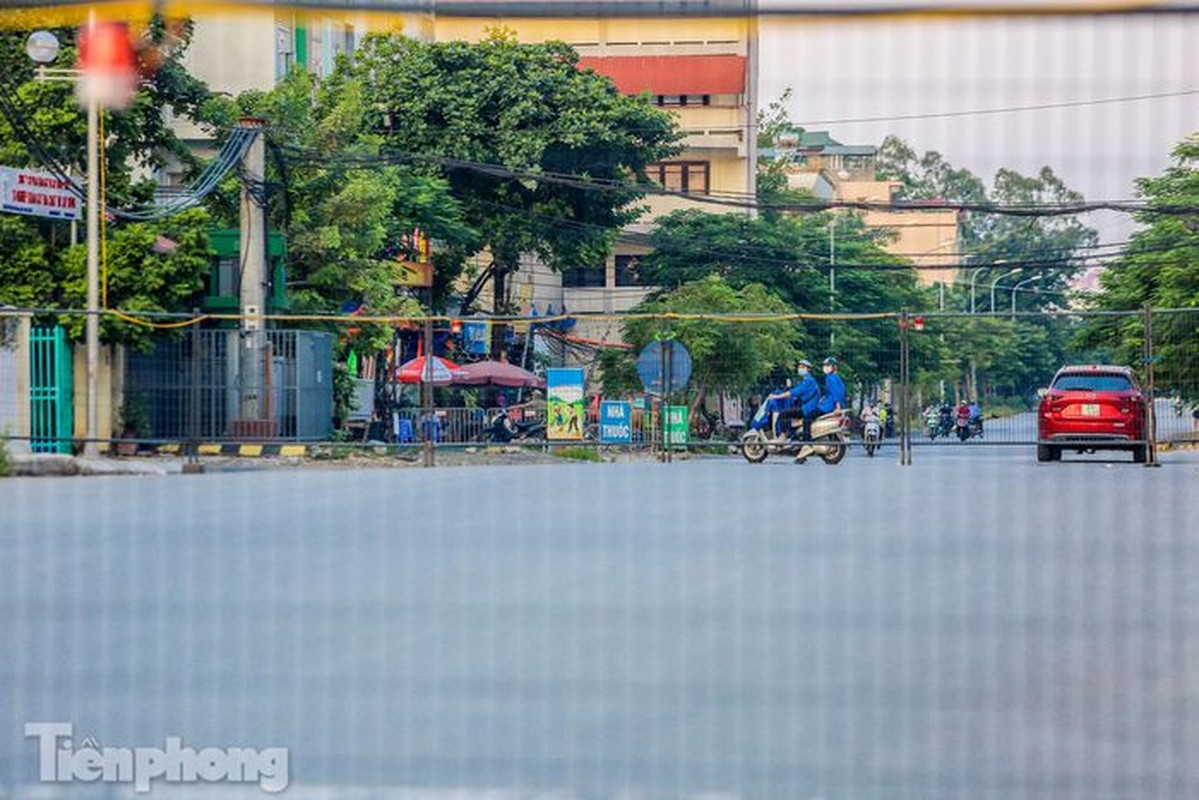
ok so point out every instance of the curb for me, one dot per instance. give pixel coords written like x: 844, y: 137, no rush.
x: 232, y: 449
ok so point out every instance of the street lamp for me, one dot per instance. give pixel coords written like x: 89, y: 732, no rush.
x: 832, y: 276
x: 42, y: 47
x: 995, y: 282
x: 1017, y: 287
x: 106, y: 76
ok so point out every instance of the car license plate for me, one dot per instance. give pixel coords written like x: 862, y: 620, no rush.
x: 1090, y: 409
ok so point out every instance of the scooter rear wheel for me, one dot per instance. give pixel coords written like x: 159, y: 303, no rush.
x: 834, y: 457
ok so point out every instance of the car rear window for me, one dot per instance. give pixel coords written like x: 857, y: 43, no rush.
x: 1092, y: 383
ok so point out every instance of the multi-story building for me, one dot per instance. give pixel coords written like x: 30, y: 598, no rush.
x: 830, y: 170
x: 254, y: 47
x: 701, y: 68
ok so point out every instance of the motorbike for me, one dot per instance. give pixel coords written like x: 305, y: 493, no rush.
x: 942, y: 426
x: 968, y: 427
x: 871, y: 436
x: 830, y: 434
x: 503, y: 429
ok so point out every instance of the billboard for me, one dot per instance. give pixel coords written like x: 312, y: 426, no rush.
x: 564, y: 403
x: 37, y: 194
x: 476, y: 337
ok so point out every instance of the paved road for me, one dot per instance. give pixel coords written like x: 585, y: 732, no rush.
x: 638, y: 630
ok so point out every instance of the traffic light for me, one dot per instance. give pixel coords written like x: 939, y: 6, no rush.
x: 108, y: 65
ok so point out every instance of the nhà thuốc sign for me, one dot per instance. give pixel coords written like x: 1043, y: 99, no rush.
x: 38, y: 194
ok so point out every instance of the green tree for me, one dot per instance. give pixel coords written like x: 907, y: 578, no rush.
x: 1053, y: 242
x: 346, y: 223
x: 789, y: 255
x: 152, y: 267
x: 527, y: 109
x: 38, y: 267
x: 727, y: 355
x: 1160, y: 268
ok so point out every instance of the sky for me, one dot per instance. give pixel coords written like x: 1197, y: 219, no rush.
x: 842, y: 70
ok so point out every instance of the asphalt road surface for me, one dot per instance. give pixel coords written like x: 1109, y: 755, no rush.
x: 974, y: 626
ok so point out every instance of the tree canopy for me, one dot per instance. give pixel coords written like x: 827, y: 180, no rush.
x: 1160, y: 268
x: 38, y: 265
x: 499, y: 119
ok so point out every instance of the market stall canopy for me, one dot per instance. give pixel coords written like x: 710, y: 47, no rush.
x: 439, y: 373
x: 496, y: 373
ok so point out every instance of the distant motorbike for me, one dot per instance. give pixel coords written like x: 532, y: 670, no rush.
x: 968, y: 427
x: 871, y: 436
x: 503, y: 429
x: 830, y: 435
x: 942, y: 425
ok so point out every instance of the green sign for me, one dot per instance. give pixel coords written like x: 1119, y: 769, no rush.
x: 675, y: 429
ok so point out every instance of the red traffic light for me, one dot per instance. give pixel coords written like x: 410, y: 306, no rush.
x: 918, y: 323
x: 108, y: 63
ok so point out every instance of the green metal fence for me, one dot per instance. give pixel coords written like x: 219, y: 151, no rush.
x: 50, y: 391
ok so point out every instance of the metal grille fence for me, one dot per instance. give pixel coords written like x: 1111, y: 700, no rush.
x: 195, y: 388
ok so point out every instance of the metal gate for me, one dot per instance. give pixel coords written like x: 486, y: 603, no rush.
x: 51, y: 416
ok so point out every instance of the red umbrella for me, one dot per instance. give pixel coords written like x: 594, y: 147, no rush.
x: 414, y: 371
x: 496, y: 373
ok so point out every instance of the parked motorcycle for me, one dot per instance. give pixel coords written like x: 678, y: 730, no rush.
x: 503, y: 429
x: 830, y: 434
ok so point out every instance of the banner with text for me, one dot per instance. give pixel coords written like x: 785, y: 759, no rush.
x: 37, y: 194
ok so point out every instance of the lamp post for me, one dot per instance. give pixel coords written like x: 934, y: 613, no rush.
x: 106, y: 77
x: 973, y: 275
x: 42, y: 47
x: 995, y: 283
x: 1017, y: 287
x: 832, y: 276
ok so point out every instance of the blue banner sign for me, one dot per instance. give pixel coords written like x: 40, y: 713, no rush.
x: 616, y: 422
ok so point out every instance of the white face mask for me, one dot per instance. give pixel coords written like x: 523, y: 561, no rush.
x: 803, y: 373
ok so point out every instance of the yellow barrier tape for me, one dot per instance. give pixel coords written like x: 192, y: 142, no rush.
x: 384, y: 320
x: 145, y: 323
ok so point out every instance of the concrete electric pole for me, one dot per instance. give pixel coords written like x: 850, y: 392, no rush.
x: 252, y: 291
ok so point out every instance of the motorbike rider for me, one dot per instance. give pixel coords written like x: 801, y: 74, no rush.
x: 963, y: 413
x: 870, y: 414
x: 785, y: 403
x: 976, y: 415
x: 945, y: 419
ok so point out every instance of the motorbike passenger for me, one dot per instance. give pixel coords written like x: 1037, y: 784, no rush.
x: 783, y: 404
x: 834, y: 388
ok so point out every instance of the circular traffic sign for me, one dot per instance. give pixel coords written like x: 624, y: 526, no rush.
x: 664, y: 367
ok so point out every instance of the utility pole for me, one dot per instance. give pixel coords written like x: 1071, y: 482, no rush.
x: 252, y: 286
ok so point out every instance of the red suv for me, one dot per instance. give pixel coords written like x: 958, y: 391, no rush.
x: 1089, y: 408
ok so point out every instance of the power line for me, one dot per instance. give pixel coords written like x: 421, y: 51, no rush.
x: 1005, y: 109
x: 587, y: 183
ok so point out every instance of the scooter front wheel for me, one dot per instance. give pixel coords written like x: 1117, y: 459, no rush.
x: 753, y: 447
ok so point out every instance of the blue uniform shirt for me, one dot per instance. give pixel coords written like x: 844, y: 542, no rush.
x: 834, y: 393
x: 806, y: 394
